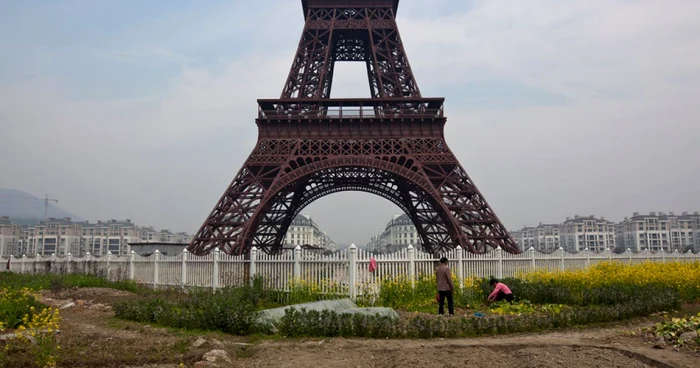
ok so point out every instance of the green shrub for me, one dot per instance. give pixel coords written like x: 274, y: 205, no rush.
x: 231, y: 310
x: 296, y: 323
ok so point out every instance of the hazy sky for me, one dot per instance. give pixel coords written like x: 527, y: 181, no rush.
x: 145, y: 109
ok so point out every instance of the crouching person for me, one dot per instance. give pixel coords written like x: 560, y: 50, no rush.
x: 500, y: 292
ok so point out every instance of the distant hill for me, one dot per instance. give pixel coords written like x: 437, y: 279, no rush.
x: 25, y: 208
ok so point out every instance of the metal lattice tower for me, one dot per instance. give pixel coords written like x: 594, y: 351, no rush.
x: 391, y: 144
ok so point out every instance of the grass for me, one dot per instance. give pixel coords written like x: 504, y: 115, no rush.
x: 17, y: 281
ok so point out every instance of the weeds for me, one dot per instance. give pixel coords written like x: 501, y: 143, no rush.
x: 679, y: 331
x: 34, y: 324
x: 16, y: 281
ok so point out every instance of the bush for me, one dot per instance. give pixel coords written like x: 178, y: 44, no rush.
x: 231, y: 310
x: 296, y: 323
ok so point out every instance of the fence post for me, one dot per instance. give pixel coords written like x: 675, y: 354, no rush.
x: 532, y: 255
x: 297, y: 263
x: 52, y: 262
x: 87, y: 259
x: 156, y: 255
x: 24, y: 256
x: 629, y: 255
x: 69, y: 263
x: 663, y: 256
x: 109, y: 262
x: 646, y: 254
x: 253, y: 258
x: 676, y: 254
x: 609, y: 254
x: 184, y: 268
x: 562, y: 266
x: 352, y: 271
x: 411, y: 265
x: 132, y: 255
x: 499, y: 254
x: 460, y: 266
x: 215, y: 270
x: 588, y: 257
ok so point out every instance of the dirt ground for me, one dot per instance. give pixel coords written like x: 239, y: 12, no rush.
x: 92, y: 337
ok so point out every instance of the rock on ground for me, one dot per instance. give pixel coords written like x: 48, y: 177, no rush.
x: 689, y: 336
x: 217, y: 356
x: 199, y: 342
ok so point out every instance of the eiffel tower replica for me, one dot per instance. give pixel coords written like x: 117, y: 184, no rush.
x: 310, y: 145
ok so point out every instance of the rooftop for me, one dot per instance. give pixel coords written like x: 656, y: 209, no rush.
x: 636, y: 216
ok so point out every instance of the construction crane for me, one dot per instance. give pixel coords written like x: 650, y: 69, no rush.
x: 46, y: 205
x: 46, y: 200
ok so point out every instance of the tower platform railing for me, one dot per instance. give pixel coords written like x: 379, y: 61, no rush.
x: 357, y: 108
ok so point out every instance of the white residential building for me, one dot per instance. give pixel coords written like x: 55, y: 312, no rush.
x: 525, y: 238
x: 398, y: 233
x: 543, y: 237
x: 151, y: 235
x: 63, y: 236
x: 374, y: 244
x: 9, y: 236
x: 304, y: 231
x: 696, y: 231
x: 581, y: 232
x: 659, y: 231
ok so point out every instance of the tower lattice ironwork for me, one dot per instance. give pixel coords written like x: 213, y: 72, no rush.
x: 310, y: 145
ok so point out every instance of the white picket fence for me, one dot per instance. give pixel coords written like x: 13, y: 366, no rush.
x: 345, y: 271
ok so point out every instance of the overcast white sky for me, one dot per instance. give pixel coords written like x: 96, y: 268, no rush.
x: 145, y: 110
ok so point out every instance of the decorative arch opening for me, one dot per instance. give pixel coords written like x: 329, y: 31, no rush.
x: 389, y: 179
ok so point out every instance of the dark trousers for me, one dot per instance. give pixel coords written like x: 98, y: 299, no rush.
x: 450, y: 302
x: 503, y: 296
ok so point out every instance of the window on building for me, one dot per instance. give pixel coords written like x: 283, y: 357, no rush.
x: 49, y: 246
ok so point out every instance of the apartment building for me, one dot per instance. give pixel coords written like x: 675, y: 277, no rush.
x: 660, y: 231
x: 63, y: 236
x: 304, y: 231
x: 696, y: 231
x: 398, y: 233
x: 543, y: 237
x: 151, y: 235
x: 581, y: 232
x: 9, y: 236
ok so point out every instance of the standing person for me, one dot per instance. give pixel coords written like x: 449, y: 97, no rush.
x: 445, y: 287
x: 500, y: 292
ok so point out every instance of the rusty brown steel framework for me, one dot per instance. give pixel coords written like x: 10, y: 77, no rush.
x: 391, y: 144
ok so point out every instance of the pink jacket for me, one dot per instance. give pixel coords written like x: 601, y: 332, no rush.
x: 499, y: 287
